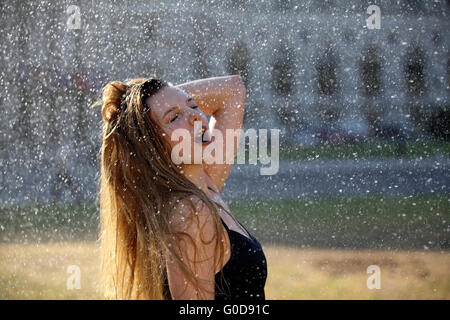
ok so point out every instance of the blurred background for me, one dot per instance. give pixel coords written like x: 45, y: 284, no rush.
x: 363, y: 113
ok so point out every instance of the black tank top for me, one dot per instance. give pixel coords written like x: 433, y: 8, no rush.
x: 244, y: 274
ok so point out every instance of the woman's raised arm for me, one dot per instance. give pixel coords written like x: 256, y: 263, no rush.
x: 224, y: 99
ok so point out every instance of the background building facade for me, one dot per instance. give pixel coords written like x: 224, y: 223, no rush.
x: 311, y: 68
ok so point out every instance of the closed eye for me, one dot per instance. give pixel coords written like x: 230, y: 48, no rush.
x: 194, y: 107
x: 174, y: 118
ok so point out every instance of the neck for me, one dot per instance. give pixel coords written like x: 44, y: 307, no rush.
x: 196, y: 174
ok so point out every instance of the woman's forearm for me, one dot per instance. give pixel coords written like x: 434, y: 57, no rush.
x: 213, y: 93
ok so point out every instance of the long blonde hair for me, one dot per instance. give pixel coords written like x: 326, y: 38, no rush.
x: 139, y: 186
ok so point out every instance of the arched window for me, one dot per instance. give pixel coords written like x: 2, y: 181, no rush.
x: 238, y: 60
x: 370, y: 71
x: 283, y: 71
x: 414, y: 71
x: 326, y: 68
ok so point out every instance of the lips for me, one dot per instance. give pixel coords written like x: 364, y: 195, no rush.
x: 207, y: 142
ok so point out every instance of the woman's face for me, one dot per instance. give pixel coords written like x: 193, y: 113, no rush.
x: 172, y: 108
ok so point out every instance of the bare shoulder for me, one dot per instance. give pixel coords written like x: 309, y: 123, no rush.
x: 193, y: 242
x: 189, y: 215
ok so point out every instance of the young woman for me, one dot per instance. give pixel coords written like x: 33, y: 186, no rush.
x: 165, y: 231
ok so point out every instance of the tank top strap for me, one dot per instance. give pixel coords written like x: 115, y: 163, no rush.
x: 224, y: 224
x: 251, y: 236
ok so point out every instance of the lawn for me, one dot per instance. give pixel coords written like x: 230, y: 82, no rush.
x: 419, y: 222
x: 367, y: 150
x: 39, y: 271
x: 317, y: 248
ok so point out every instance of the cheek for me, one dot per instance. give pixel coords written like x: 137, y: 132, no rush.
x: 181, y: 127
x: 178, y: 140
x: 167, y: 136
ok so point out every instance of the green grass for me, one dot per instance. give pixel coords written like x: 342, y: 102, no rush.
x: 366, y: 150
x: 45, y: 222
x: 39, y: 243
x: 375, y: 222
x: 372, y: 222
